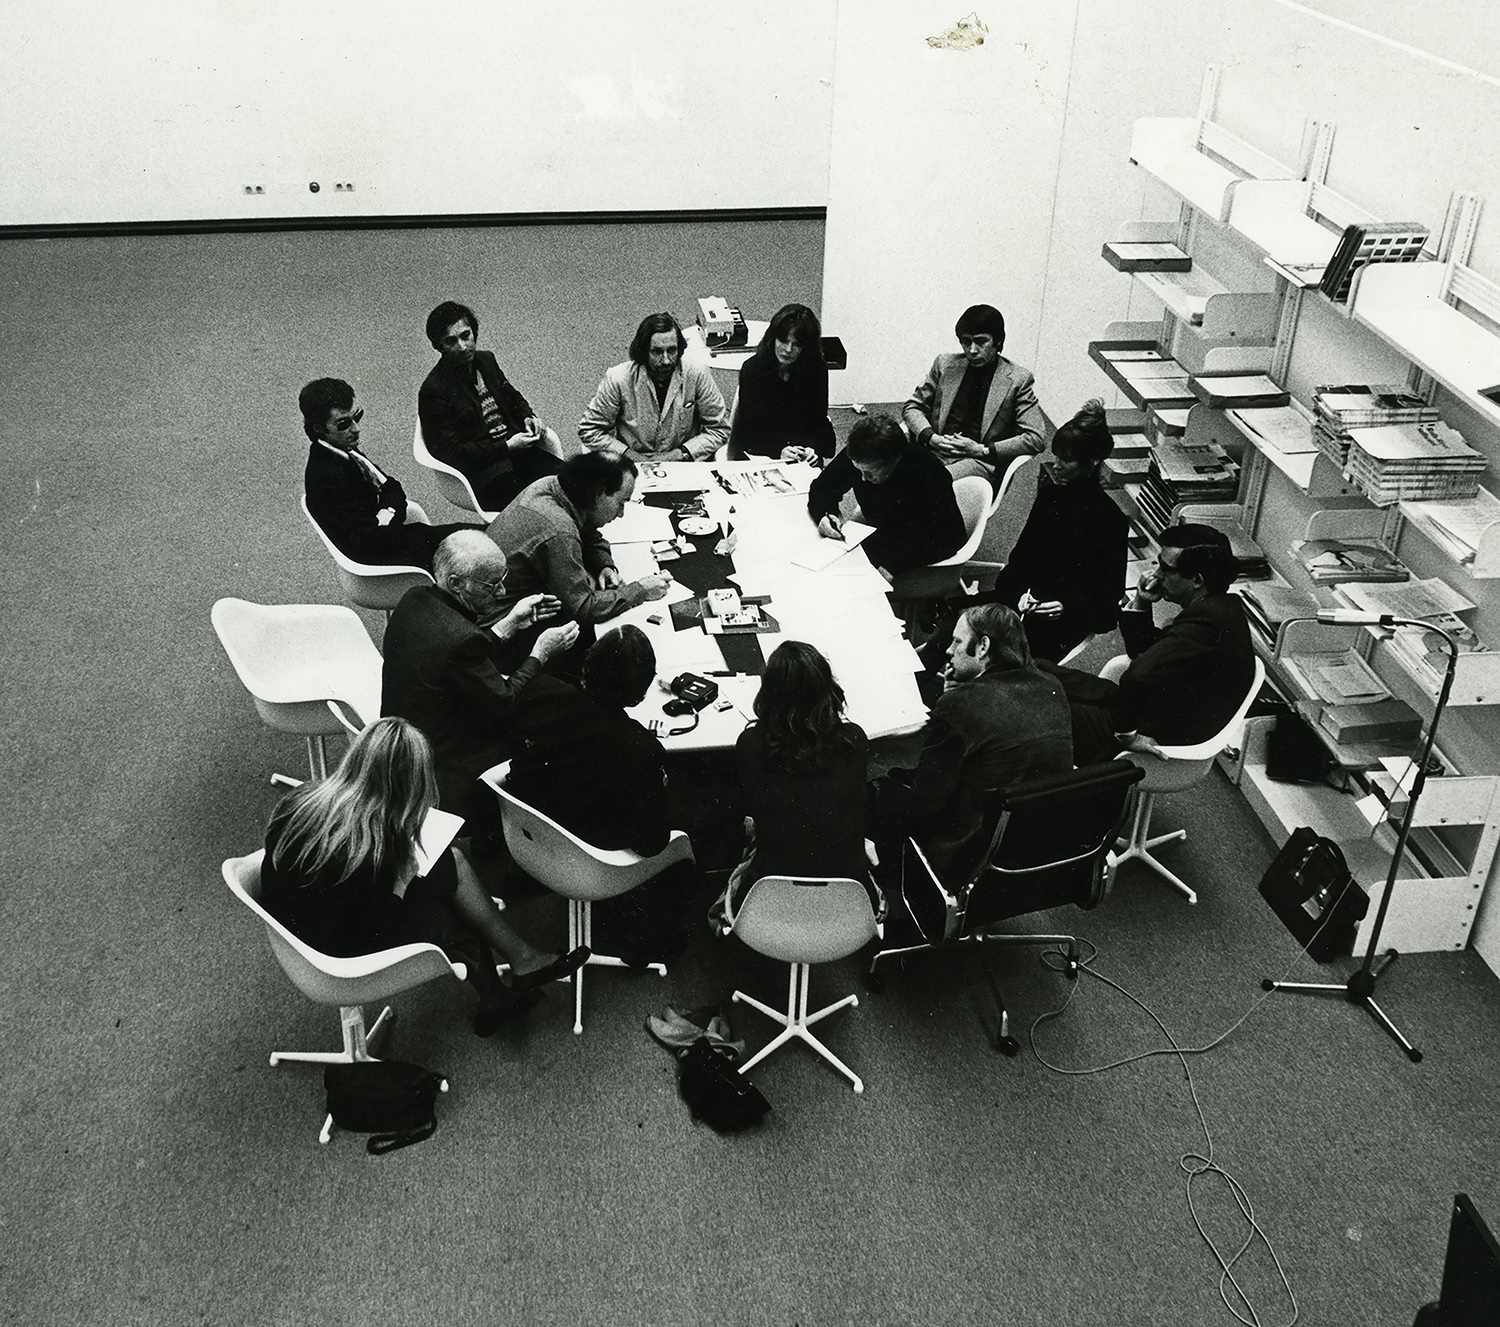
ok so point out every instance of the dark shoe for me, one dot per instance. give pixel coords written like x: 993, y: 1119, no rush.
x: 489, y: 1018
x: 556, y: 970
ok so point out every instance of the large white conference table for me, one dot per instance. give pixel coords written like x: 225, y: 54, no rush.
x: 843, y: 609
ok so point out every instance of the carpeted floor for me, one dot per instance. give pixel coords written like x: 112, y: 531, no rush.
x: 157, y: 1171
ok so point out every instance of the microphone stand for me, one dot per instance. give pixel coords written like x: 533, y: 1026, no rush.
x: 1360, y: 988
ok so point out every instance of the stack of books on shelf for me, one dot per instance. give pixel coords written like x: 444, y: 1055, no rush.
x: 1378, y: 721
x: 1185, y: 472
x: 1146, y: 256
x: 1270, y: 603
x: 1130, y: 462
x: 1339, y: 561
x: 1412, y: 462
x: 1373, y: 242
x: 1337, y: 409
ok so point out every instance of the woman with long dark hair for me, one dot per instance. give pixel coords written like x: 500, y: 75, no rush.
x: 801, y: 769
x: 342, y: 872
x: 781, y: 408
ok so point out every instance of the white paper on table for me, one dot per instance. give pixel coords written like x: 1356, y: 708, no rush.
x: 439, y: 829
x: 826, y: 552
x: 1371, y: 808
x: 639, y: 524
x: 634, y: 560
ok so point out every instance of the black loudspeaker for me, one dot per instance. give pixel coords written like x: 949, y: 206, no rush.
x: 1309, y: 887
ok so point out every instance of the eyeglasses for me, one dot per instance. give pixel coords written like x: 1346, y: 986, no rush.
x: 347, y: 422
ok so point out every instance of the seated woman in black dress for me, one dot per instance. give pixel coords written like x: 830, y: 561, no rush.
x: 802, y: 776
x: 1067, y: 570
x: 782, y: 406
x: 341, y: 872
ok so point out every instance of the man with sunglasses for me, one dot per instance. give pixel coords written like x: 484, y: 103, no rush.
x: 362, y: 509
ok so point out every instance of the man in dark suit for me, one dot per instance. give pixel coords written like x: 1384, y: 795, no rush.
x: 474, y: 419
x: 362, y: 509
x: 1185, y: 680
x: 977, y: 411
x: 444, y: 646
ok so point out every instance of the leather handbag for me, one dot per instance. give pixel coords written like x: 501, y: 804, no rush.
x: 392, y: 1100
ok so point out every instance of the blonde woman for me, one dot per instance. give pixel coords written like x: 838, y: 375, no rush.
x: 341, y: 872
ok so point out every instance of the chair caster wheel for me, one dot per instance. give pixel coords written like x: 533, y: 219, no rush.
x: 1266, y: 984
x: 874, y: 983
x: 1008, y: 1046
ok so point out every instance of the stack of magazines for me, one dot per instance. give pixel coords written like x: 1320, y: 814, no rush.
x: 1185, y: 472
x: 1339, y: 561
x: 1361, y: 406
x: 1415, y: 462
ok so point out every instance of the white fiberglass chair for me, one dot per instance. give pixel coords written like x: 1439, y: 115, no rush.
x: 1183, y: 767
x: 300, y: 663
x: 920, y: 584
x: 803, y: 921
x: 451, y: 482
x: 368, y: 584
x: 580, y: 872
x: 349, y: 983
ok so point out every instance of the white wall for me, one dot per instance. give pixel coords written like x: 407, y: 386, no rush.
x: 941, y: 182
x: 166, y: 109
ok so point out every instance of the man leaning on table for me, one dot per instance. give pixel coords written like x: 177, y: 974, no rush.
x: 655, y: 406
x: 451, y: 669
x: 552, y: 541
x: 976, y: 411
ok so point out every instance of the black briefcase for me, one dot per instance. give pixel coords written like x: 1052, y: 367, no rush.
x: 1310, y: 888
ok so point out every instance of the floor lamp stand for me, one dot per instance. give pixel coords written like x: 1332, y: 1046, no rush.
x: 1360, y: 988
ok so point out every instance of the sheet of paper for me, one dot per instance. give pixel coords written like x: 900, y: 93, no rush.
x: 634, y: 560
x: 826, y: 552
x: 438, y: 831
x: 1401, y: 768
x: 639, y: 524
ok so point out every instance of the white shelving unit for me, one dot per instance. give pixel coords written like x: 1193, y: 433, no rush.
x: 1443, y: 317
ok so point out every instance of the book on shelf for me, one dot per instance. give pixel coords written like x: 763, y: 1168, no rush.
x: 1336, y: 561
x: 1143, y: 256
x: 1371, y: 242
x: 1238, y: 391
x: 1387, y: 720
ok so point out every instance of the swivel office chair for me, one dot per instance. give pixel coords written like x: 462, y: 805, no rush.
x: 349, y: 983
x: 1049, y: 848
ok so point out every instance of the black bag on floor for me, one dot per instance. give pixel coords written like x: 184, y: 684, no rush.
x: 715, y: 1091
x: 1309, y: 887
x: 387, y: 1098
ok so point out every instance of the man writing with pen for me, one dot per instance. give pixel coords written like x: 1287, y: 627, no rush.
x: 903, y: 491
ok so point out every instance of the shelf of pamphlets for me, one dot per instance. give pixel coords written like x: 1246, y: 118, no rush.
x: 1467, y: 531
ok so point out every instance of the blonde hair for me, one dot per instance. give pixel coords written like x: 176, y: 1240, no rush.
x: 369, y: 809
